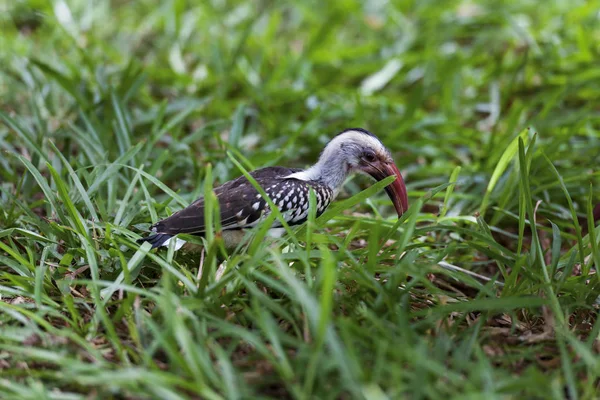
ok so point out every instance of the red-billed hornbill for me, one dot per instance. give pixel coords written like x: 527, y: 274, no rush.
x: 242, y: 207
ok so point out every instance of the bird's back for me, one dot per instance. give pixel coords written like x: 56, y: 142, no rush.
x: 241, y: 205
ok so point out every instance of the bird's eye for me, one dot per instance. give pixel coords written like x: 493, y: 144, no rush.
x: 369, y: 156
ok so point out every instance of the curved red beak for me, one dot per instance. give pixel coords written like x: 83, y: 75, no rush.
x: 397, y: 189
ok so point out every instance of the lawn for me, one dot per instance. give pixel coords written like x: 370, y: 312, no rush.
x: 114, y: 114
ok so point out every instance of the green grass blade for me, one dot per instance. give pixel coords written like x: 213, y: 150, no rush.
x: 77, y: 222
x: 573, y: 212
x: 448, y: 194
x: 508, y: 155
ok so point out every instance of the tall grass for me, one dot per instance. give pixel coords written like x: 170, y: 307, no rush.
x: 115, y: 115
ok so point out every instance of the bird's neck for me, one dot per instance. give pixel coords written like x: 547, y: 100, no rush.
x: 331, y: 171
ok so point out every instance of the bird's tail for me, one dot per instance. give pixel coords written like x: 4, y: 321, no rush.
x: 156, y: 239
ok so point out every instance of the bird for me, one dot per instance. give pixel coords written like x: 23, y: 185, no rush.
x: 351, y: 151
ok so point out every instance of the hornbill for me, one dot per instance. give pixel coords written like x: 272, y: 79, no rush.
x: 242, y: 207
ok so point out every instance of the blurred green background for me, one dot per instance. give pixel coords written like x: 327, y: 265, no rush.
x: 111, y: 111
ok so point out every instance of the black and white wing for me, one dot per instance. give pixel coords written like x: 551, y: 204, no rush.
x: 241, y: 206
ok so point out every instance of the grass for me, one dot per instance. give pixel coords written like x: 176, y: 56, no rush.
x: 115, y: 114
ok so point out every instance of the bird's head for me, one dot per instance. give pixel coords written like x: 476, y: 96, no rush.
x: 363, y: 152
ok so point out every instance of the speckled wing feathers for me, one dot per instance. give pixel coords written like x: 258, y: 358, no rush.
x: 241, y: 206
